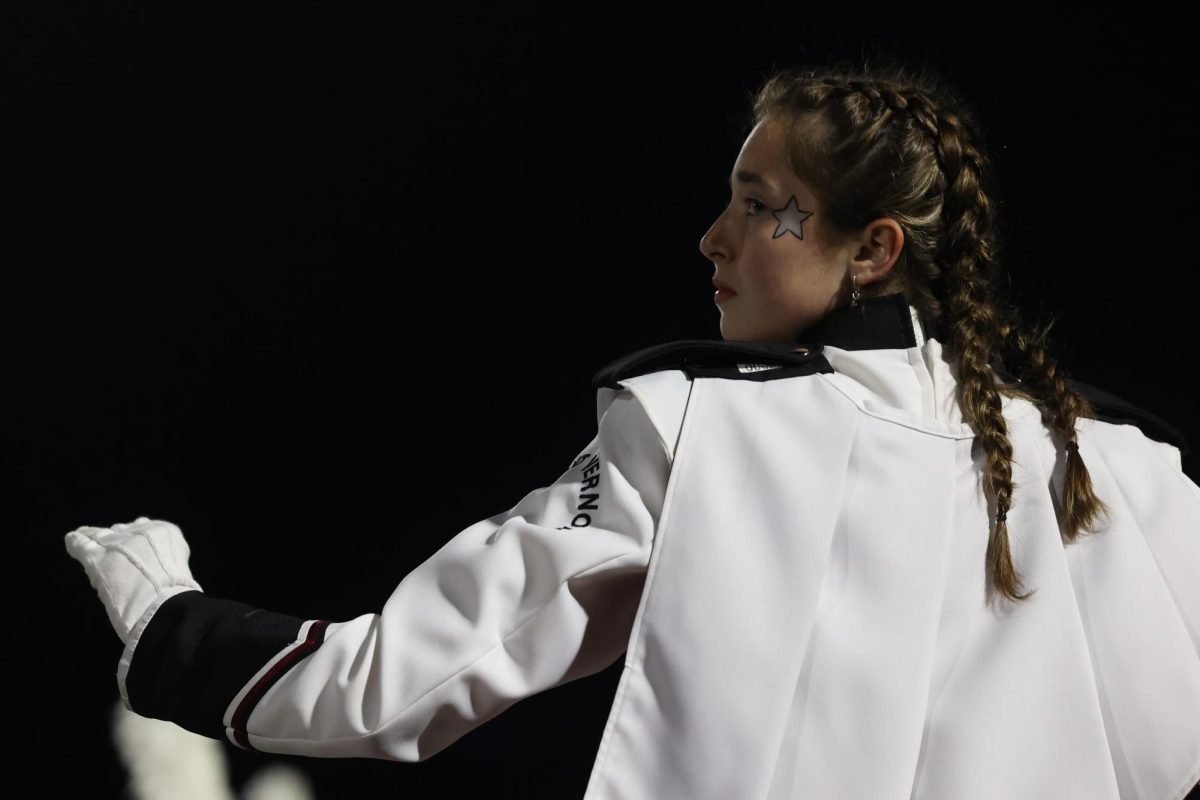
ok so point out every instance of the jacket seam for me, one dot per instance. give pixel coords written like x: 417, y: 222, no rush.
x: 893, y: 420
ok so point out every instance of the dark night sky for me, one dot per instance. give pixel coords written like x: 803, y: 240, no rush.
x: 326, y: 286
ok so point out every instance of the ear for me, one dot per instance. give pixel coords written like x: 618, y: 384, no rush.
x: 878, y: 250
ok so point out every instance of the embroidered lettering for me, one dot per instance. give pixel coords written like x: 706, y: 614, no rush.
x: 588, y: 501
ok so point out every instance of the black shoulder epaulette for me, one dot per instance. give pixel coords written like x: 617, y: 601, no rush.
x: 713, y: 358
x: 1111, y: 408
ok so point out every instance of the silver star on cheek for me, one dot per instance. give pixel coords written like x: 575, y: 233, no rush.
x: 790, y: 217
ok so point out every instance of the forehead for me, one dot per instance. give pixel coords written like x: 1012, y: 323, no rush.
x: 763, y: 160
x: 765, y: 141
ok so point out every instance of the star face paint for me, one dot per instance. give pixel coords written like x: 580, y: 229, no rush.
x: 790, y: 218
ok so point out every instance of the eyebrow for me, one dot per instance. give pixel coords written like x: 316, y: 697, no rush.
x: 744, y: 176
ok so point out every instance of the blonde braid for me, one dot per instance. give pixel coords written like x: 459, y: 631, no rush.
x: 1060, y: 406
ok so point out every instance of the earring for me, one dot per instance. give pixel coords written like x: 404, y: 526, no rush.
x: 856, y: 295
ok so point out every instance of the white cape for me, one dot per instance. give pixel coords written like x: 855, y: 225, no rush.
x: 814, y: 622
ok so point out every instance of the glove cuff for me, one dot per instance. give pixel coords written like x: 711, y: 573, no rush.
x: 135, y: 633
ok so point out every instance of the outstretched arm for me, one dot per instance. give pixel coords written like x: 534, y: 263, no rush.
x: 517, y: 603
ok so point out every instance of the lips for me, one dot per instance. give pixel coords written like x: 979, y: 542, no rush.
x: 723, y: 293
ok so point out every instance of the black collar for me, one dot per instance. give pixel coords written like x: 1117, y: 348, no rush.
x: 875, y: 323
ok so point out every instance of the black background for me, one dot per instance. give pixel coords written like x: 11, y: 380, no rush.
x: 324, y: 286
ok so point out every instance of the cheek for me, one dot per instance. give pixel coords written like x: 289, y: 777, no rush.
x: 776, y: 275
x: 766, y: 267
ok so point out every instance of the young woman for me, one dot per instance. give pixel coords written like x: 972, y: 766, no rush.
x: 874, y: 543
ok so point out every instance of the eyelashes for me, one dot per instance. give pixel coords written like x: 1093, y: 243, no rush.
x: 753, y: 207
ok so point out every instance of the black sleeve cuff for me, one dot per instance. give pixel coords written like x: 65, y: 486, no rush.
x: 197, y: 652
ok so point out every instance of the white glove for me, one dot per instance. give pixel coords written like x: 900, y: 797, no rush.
x: 132, y: 565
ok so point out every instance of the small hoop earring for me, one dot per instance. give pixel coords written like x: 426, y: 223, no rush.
x: 856, y: 295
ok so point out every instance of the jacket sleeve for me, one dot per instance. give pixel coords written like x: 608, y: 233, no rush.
x: 534, y: 597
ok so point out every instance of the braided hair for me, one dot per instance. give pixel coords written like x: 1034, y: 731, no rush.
x: 877, y: 141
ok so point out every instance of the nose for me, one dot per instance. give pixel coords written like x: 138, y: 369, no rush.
x: 711, y: 242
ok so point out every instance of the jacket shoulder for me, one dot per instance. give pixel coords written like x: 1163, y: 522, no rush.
x: 711, y: 358
x: 1111, y: 408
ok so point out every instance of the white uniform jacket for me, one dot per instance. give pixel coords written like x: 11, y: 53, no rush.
x: 788, y: 548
